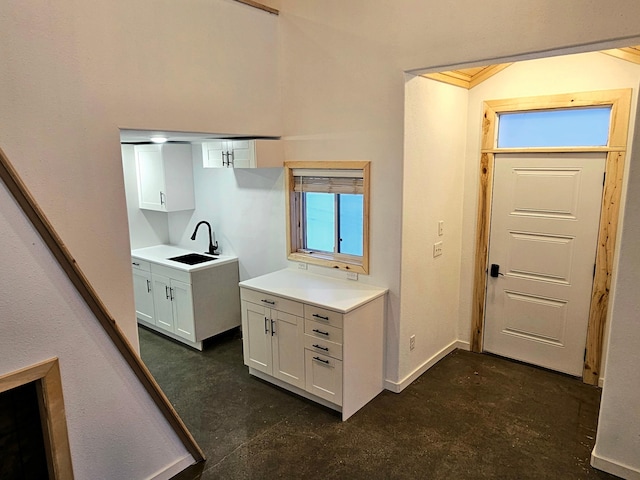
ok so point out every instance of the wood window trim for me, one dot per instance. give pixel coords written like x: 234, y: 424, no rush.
x: 620, y: 102
x: 46, y: 376
x: 338, y: 261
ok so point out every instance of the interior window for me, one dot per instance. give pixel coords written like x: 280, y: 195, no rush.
x: 572, y: 127
x: 328, y: 213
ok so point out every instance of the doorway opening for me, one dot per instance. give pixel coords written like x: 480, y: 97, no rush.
x: 615, y: 151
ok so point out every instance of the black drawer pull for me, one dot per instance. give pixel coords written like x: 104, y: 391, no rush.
x: 321, y: 332
x: 321, y: 317
x: 326, y: 362
x: 321, y: 348
x: 270, y: 302
x: 136, y: 264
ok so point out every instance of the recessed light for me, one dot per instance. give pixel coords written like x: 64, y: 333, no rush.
x: 158, y: 139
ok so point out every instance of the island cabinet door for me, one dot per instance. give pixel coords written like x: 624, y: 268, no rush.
x: 256, y: 337
x: 162, y: 301
x: 287, y: 341
x: 182, y: 300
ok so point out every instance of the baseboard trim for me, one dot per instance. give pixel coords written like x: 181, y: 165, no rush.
x: 614, y: 468
x: 174, y: 469
x: 397, y: 387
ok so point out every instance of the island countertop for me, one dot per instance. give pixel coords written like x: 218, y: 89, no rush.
x: 160, y: 254
x: 335, y: 294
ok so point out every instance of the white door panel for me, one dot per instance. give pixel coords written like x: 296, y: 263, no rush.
x: 544, y: 228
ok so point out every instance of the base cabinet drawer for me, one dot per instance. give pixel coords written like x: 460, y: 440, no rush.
x: 323, y: 347
x: 323, y: 376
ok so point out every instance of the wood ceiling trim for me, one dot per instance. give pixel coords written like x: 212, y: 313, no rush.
x: 470, y: 77
x: 467, y: 77
x: 630, y: 54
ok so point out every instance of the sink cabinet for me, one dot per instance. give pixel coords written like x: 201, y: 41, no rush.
x: 260, y: 153
x: 188, y: 306
x: 315, y: 336
x: 165, y: 177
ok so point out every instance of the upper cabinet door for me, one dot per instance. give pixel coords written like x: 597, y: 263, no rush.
x: 151, y: 186
x: 165, y: 177
x: 214, y: 154
x: 260, y: 153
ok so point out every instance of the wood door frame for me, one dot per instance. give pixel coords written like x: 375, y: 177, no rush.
x: 616, y: 149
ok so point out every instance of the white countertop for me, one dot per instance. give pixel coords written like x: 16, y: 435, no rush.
x: 334, y: 294
x: 160, y: 254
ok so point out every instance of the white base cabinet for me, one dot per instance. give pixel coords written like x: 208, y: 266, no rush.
x: 316, y: 336
x: 186, y: 306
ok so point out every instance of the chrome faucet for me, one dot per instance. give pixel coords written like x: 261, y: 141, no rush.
x: 212, y: 247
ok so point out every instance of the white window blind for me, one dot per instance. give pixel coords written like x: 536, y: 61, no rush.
x: 328, y: 181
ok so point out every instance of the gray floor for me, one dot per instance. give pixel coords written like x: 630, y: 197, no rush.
x: 471, y: 416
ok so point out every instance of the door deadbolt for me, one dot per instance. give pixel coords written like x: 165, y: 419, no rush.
x: 495, y: 270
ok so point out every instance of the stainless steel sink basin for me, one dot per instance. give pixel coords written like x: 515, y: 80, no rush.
x: 192, y: 258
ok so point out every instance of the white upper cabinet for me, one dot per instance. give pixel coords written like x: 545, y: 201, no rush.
x: 165, y: 177
x: 260, y: 153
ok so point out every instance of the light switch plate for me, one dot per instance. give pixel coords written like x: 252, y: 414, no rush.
x: 441, y: 228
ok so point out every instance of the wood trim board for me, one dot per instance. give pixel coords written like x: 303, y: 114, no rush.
x: 259, y: 6
x: 54, y: 243
x: 620, y: 101
x: 46, y: 375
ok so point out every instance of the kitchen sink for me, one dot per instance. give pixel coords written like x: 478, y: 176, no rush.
x: 192, y: 258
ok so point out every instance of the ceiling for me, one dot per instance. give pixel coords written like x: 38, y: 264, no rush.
x: 470, y: 77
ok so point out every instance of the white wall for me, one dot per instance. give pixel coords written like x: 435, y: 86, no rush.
x: 247, y: 214
x: 342, y: 78
x: 72, y: 74
x: 115, y: 430
x: 566, y: 74
x: 435, y: 139
x: 617, y: 447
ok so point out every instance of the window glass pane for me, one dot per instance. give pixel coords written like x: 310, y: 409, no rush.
x: 319, y: 217
x: 576, y: 127
x: 351, y: 211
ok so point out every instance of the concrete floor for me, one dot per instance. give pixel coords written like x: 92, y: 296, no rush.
x: 471, y: 416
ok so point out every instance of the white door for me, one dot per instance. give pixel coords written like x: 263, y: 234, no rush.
x: 162, y: 301
x: 182, y: 300
x: 256, y: 336
x: 143, y: 296
x: 150, y: 177
x: 288, y: 348
x: 544, y: 227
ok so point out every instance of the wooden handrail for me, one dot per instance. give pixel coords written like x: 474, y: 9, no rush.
x: 53, y: 241
x: 259, y: 6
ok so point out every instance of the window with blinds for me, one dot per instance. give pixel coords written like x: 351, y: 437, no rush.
x: 328, y: 213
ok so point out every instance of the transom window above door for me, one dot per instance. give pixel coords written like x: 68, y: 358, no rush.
x: 572, y: 127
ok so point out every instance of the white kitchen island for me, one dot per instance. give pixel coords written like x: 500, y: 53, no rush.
x: 317, y: 336
x: 188, y: 303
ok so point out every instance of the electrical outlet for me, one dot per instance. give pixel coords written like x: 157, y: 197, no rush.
x: 352, y: 275
x: 437, y: 249
x: 441, y: 228
x: 412, y: 342
x: 302, y: 266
